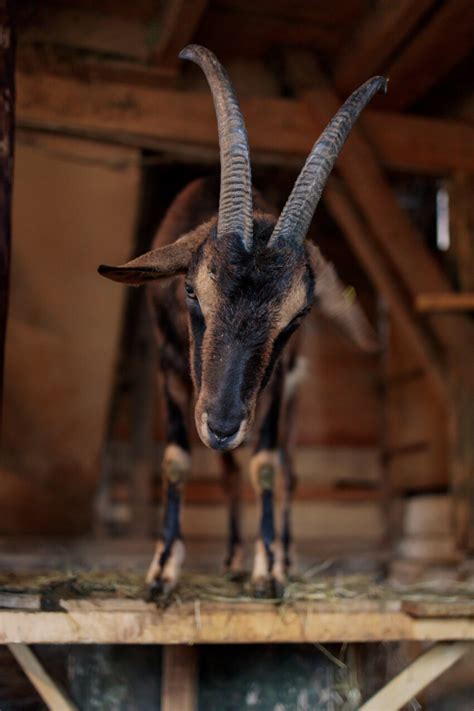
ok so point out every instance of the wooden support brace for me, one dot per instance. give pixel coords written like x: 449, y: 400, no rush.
x: 51, y: 694
x: 416, y: 677
x: 358, y: 233
x: 427, y: 303
x: 180, y: 678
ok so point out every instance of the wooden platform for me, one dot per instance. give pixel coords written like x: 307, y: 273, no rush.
x: 111, y: 608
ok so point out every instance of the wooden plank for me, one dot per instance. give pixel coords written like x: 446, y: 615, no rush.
x: 414, y: 414
x: 396, y: 235
x: 180, y: 22
x: 461, y: 218
x: 375, y: 39
x: 312, y: 520
x: 223, y: 623
x: 427, y: 515
x: 429, y: 303
x: 7, y: 121
x: 435, y: 49
x: 358, y: 234
x: 179, y: 686
x: 69, y: 319
x: 49, y: 691
x: 87, y: 31
x: 279, y: 128
x: 416, y: 677
x: 421, y: 470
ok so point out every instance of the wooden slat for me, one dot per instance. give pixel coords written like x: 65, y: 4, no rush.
x: 435, y: 49
x: 179, y: 685
x: 416, y: 677
x: 461, y: 218
x: 282, y: 129
x: 51, y: 694
x: 421, y: 470
x: 206, y: 622
x: 375, y: 39
x: 7, y: 120
x: 428, y: 303
x: 358, y: 234
x: 396, y: 235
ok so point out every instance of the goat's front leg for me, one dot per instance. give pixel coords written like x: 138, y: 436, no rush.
x: 231, y: 480
x: 268, y: 575
x: 165, y: 568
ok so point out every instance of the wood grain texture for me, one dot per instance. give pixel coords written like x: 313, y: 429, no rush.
x: 376, y: 38
x: 439, y: 45
x: 7, y: 122
x: 192, y: 623
x: 280, y: 128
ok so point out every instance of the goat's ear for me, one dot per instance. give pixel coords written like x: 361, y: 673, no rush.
x: 338, y: 302
x: 159, y: 263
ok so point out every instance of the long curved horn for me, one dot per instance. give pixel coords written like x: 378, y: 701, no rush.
x: 235, y: 201
x: 298, y: 212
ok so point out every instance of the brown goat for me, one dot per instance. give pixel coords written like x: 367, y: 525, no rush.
x: 249, y: 279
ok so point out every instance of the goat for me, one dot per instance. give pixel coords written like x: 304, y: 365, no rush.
x: 230, y: 335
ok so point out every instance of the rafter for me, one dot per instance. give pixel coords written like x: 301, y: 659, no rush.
x: 279, y: 129
x: 375, y: 40
x: 436, y: 48
x: 362, y: 241
x: 180, y: 21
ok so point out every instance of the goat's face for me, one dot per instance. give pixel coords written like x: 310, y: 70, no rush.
x: 243, y: 307
x: 249, y: 281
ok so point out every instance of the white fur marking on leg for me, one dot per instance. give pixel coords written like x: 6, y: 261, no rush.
x: 173, y: 565
x: 260, y: 563
x: 154, y: 570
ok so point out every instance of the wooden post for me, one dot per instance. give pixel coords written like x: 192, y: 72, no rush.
x: 7, y: 118
x: 461, y: 215
x: 180, y: 678
x: 417, y: 676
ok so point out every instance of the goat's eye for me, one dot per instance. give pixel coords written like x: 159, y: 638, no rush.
x: 190, y: 291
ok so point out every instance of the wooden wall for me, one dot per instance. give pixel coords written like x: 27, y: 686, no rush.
x: 74, y: 207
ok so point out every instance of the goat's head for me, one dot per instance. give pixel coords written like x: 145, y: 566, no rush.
x: 249, y: 278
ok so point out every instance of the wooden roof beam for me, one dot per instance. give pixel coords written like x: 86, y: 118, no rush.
x: 179, y: 23
x: 376, y: 39
x: 363, y: 243
x: 436, y: 48
x: 279, y: 129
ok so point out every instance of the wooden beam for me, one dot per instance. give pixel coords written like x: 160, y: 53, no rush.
x: 181, y: 20
x: 428, y: 303
x: 179, y: 685
x: 364, y: 245
x: 203, y: 622
x: 7, y: 120
x: 417, y: 676
x: 279, y: 129
x: 436, y: 48
x: 50, y: 693
x: 396, y: 235
x: 461, y: 218
x: 376, y: 38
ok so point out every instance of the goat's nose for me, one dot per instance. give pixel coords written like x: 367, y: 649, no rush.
x: 224, y: 427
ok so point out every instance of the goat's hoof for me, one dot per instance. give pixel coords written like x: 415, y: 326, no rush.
x: 163, y: 580
x: 267, y: 588
x: 159, y: 589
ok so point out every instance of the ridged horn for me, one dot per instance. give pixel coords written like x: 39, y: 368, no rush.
x: 298, y: 212
x: 235, y: 200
